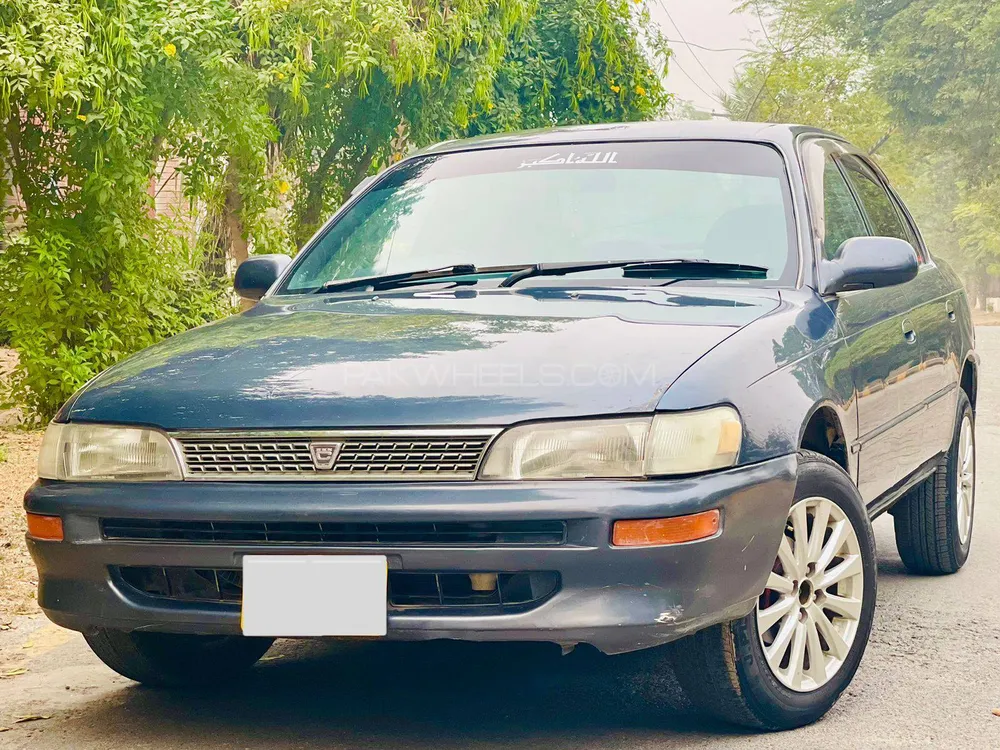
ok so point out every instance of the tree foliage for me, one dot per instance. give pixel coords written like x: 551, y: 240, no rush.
x: 273, y: 110
x: 92, y: 97
x: 465, y: 69
x: 577, y: 63
x: 912, y: 82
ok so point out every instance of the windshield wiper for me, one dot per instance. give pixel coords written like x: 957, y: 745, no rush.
x: 694, y: 268
x: 672, y: 268
x: 387, y: 281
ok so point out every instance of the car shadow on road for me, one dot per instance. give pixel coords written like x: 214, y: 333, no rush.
x: 436, y: 694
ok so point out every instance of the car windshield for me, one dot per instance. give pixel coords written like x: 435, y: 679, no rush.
x: 714, y: 200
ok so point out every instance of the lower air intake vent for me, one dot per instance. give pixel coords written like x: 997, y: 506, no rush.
x: 496, y: 593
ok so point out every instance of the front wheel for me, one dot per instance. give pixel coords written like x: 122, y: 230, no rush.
x: 175, y: 660
x: 786, y: 663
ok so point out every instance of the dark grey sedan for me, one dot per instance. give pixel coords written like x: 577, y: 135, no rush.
x: 627, y: 386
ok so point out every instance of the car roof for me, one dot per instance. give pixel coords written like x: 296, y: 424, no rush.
x: 760, y: 132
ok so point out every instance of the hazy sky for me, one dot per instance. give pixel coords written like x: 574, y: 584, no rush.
x: 709, y: 23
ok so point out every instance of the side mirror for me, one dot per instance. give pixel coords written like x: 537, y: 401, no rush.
x: 258, y: 273
x: 869, y: 263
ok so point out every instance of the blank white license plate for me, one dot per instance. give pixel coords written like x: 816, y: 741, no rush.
x: 314, y: 595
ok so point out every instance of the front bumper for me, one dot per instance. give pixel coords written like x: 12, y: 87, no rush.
x: 617, y: 599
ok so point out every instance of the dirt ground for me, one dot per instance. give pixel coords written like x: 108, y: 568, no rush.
x: 18, y: 456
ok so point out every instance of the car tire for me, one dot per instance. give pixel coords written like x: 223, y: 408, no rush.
x: 725, y: 670
x: 176, y: 660
x: 934, y: 520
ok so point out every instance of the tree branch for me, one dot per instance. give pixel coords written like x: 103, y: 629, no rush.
x: 882, y: 141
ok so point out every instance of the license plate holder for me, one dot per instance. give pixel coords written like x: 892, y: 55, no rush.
x: 314, y: 595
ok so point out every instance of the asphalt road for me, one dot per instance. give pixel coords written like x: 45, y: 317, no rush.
x: 931, y: 677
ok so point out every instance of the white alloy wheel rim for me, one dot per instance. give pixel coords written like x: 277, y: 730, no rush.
x: 809, y: 613
x: 965, y: 480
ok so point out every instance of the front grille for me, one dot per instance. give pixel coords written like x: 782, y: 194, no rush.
x: 360, y: 457
x: 451, y: 533
x: 263, y: 457
x: 410, y: 590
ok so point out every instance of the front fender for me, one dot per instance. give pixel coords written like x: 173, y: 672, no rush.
x: 777, y: 371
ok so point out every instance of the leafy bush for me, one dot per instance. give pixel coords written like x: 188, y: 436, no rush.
x: 93, y: 97
x: 74, y: 314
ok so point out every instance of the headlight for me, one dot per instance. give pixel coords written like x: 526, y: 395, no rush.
x: 675, y: 443
x: 82, y: 452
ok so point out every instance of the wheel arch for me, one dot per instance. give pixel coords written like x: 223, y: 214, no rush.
x: 970, y: 381
x: 823, y: 432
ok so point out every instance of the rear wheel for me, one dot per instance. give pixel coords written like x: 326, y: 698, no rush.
x: 174, y: 660
x: 786, y: 663
x: 934, y: 520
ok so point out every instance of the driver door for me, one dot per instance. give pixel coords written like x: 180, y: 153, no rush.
x: 876, y: 324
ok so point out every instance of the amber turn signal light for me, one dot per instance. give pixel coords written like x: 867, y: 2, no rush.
x: 652, y: 532
x: 47, y: 528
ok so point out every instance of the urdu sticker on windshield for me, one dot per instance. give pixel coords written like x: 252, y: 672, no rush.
x: 573, y: 159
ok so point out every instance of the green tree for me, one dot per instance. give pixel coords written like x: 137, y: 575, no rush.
x: 343, y: 79
x: 937, y: 62
x: 909, y: 82
x: 351, y: 91
x: 576, y: 63
x: 93, y: 95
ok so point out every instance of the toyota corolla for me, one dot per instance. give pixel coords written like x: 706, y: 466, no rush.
x: 624, y: 385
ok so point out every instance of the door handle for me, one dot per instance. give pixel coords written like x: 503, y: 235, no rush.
x: 949, y: 310
x: 909, y: 332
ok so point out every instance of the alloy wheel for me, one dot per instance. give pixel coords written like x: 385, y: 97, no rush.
x: 809, y: 612
x: 965, y: 480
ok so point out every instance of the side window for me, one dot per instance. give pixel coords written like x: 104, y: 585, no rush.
x: 909, y: 230
x: 881, y: 211
x: 843, y: 218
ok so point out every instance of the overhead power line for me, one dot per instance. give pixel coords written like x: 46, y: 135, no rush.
x: 690, y: 47
x: 697, y: 85
x: 710, y: 49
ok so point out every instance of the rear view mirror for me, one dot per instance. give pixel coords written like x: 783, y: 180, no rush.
x: 869, y: 263
x: 258, y: 273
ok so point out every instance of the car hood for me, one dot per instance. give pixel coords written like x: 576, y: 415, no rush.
x: 437, y: 358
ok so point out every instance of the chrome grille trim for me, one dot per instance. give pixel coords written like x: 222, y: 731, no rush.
x: 365, y: 455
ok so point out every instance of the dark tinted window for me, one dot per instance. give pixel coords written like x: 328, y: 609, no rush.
x: 881, y: 211
x: 843, y: 217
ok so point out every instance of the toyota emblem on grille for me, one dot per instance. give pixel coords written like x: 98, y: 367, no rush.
x: 324, y: 455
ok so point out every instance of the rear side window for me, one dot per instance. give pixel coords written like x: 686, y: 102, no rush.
x: 843, y: 217
x: 881, y: 211
x: 909, y: 233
